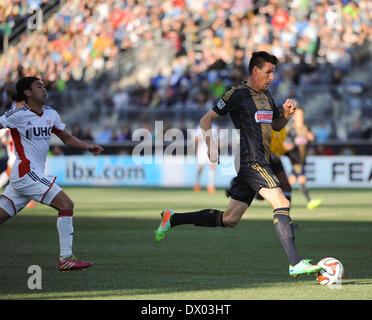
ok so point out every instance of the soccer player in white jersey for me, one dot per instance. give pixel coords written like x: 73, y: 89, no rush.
x: 203, y: 160
x: 31, y: 126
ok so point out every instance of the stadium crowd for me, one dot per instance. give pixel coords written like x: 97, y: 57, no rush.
x: 315, y: 42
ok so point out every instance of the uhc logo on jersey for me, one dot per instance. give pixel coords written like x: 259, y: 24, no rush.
x: 263, y: 116
x: 38, y: 132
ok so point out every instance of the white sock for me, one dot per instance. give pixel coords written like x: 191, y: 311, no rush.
x: 66, y: 234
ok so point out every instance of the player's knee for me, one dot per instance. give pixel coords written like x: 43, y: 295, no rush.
x: 292, y: 180
x: 68, y: 204
x: 285, y: 203
x: 230, y: 222
x: 302, y: 179
x: 3, y: 216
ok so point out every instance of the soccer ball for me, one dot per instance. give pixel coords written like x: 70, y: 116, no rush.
x: 332, y: 271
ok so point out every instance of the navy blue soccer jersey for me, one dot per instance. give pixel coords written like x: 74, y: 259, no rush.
x: 252, y: 113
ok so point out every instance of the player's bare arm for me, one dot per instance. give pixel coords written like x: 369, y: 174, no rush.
x: 289, y: 108
x: 72, y: 141
x: 206, y: 126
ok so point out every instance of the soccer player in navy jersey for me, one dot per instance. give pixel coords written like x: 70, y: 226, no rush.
x: 254, y: 112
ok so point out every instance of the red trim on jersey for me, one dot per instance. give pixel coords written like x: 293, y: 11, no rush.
x: 14, y: 208
x: 24, y: 166
x: 55, y: 130
x: 11, y: 147
x: 47, y: 190
x: 11, y: 143
x: 38, y: 114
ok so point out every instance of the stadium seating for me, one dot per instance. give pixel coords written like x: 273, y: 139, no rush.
x: 115, y: 46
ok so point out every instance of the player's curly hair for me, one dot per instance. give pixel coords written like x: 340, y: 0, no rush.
x: 259, y: 58
x: 22, y: 85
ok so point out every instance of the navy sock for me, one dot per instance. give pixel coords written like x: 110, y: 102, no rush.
x: 305, y: 192
x: 202, y: 218
x: 284, y: 229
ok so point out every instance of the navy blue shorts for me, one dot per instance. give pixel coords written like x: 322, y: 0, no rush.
x: 250, y: 180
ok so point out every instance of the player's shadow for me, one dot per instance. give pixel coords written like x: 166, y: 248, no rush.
x: 127, y: 261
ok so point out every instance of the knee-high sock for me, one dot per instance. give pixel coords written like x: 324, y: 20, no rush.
x: 202, y: 218
x: 284, y: 229
x: 65, y: 232
x: 305, y: 192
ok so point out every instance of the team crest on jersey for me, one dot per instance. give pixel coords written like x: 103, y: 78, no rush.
x: 264, y: 116
x: 262, y: 103
x: 221, y: 104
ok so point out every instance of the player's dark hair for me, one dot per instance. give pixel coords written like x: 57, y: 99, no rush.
x: 259, y: 58
x: 22, y: 85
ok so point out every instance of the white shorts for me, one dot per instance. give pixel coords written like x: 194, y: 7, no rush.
x: 32, y: 186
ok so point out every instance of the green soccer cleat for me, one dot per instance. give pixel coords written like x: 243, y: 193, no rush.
x: 164, y: 226
x: 303, y: 267
x: 314, y: 203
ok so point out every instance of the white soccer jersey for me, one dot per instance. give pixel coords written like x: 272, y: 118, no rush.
x: 31, y: 135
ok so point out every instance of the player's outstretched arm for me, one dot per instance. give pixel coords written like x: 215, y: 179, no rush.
x: 289, y: 108
x: 206, y: 126
x: 72, y: 141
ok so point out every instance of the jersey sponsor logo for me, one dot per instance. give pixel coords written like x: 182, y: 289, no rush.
x: 263, y: 116
x: 38, y: 132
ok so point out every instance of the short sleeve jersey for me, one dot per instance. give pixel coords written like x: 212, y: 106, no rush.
x: 252, y: 113
x: 31, y: 135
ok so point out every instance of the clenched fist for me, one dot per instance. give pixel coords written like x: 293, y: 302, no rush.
x: 289, y: 107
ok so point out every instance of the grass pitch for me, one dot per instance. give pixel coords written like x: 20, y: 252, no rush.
x: 114, y: 228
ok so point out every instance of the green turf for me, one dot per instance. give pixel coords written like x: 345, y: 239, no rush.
x: 114, y: 228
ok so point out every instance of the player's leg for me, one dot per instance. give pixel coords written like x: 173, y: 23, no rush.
x: 302, y: 182
x: 65, y: 207
x: 4, y: 216
x: 202, y: 218
x: 11, y: 203
x: 282, y: 221
x: 65, y: 228
x: 241, y: 198
x: 311, y: 203
x: 197, y: 187
x: 43, y: 189
x: 212, y: 217
x: 284, y: 229
x: 279, y: 171
x: 292, y: 179
x: 211, y: 178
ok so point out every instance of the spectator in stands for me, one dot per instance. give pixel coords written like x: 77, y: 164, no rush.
x: 322, y: 132
x: 358, y: 132
x: 124, y: 135
x: 84, y: 38
x: 105, y: 135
